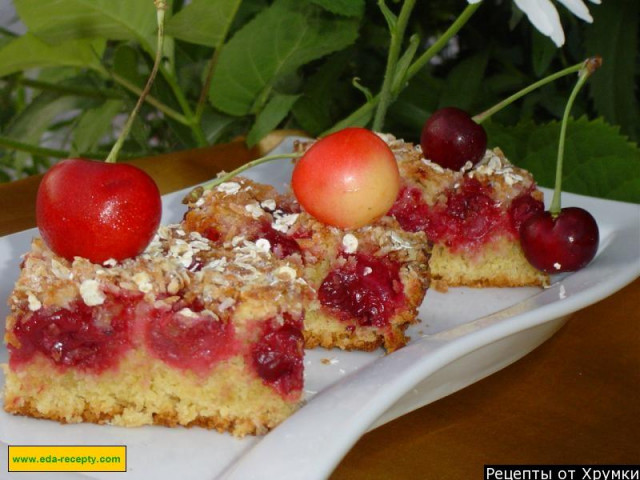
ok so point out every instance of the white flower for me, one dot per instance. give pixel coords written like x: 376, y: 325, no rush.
x: 544, y: 16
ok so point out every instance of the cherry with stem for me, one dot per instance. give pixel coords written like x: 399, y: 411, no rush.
x: 562, y: 239
x: 451, y: 137
x: 101, y: 210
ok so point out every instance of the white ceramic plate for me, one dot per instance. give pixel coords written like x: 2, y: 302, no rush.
x: 465, y: 335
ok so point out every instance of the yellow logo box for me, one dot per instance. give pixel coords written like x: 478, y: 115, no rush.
x: 67, y: 458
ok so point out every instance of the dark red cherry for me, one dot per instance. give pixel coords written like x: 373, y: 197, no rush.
x: 564, y: 243
x: 451, y: 138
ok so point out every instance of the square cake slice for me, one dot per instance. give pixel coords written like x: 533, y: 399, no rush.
x: 187, y: 333
x: 368, y: 282
x: 472, y: 217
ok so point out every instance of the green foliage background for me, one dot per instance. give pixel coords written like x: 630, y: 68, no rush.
x: 308, y: 64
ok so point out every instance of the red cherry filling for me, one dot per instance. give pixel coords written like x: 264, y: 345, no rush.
x: 365, y: 288
x: 467, y: 218
x: 79, y: 336
x: 281, y: 245
x: 212, y: 234
x: 189, y: 340
x: 471, y: 214
x: 278, y: 357
x: 411, y: 211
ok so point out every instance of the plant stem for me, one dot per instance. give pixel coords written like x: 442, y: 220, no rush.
x: 247, y: 166
x: 415, y: 67
x: 589, y: 66
x: 168, y: 111
x: 433, y: 50
x: 397, y: 35
x: 507, y: 101
x: 195, y: 126
x: 207, y: 84
x: 69, y: 90
x: 113, y: 155
x: 197, y: 192
x: 12, y: 144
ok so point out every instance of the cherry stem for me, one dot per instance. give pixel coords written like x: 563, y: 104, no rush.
x: 197, y: 192
x: 479, y: 118
x: 589, y: 66
x: 161, y: 6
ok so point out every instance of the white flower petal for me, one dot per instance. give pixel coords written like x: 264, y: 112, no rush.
x: 598, y: 2
x: 478, y: 1
x: 578, y: 8
x: 544, y: 16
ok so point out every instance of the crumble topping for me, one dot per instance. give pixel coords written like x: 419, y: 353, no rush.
x: 494, y: 163
x: 91, y: 293
x: 269, y: 204
x: 177, y: 264
x: 286, y: 271
x: 263, y: 245
x: 60, y: 271
x: 283, y: 221
x: 254, y: 210
x: 350, y: 243
x: 433, y: 165
x: 34, y: 303
x: 229, y: 188
x: 143, y: 281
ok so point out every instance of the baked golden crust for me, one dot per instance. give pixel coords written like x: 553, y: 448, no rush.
x: 145, y: 392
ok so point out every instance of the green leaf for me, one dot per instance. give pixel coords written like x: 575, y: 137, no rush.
x: 93, y: 126
x: 126, y: 62
x: 323, y: 92
x: 203, y: 22
x: 56, y: 21
x: 28, y: 52
x: 274, y: 112
x: 598, y: 160
x: 279, y: 40
x: 346, y: 8
x: 614, y: 35
x: 464, y: 81
x: 542, y: 52
x: 216, y: 125
x: 32, y: 122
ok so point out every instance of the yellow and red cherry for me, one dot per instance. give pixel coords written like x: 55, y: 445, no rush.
x: 347, y: 179
x: 97, y: 210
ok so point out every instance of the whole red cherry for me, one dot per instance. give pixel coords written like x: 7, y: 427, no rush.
x: 347, y: 179
x: 451, y: 138
x: 562, y: 243
x: 97, y: 210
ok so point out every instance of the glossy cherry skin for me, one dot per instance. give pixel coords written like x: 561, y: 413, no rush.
x: 451, y: 138
x: 97, y: 210
x: 347, y: 179
x: 565, y: 243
